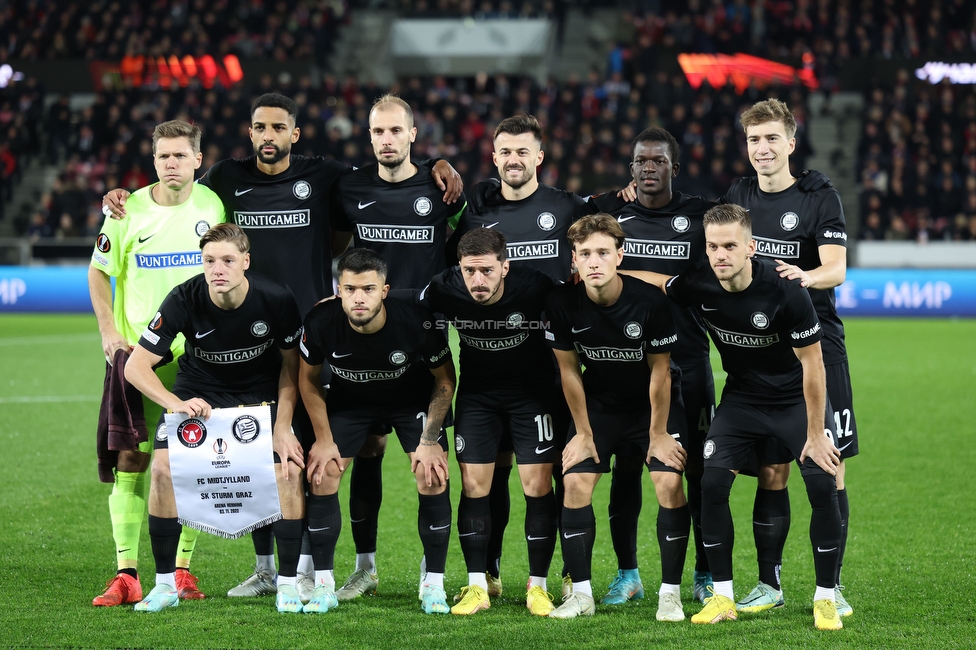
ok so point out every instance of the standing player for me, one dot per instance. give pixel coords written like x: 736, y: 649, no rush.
x: 242, y: 333
x: 664, y: 233
x: 621, y: 330
x: 534, y: 219
x: 390, y: 367
x: 507, y: 380
x: 149, y: 254
x: 766, y: 329
x: 392, y: 208
x: 286, y: 203
x: 804, y: 232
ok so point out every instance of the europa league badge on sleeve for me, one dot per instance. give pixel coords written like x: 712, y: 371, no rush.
x: 223, y: 470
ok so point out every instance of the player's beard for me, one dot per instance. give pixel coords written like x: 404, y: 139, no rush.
x: 394, y: 163
x: 482, y: 287
x: 527, y: 175
x: 279, y: 154
x: 363, y: 321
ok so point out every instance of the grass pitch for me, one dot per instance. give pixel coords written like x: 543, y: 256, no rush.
x: 909, y: 567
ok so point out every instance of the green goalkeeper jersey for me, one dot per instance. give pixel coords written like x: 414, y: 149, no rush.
x: 150, y: 251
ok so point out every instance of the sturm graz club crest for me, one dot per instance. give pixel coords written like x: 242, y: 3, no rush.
x: 515, y: 320
x: 302, y: 190
x: 760, y: 320
x: 709, y: 449
x: 546, y: 221
x: 458, y: 444
x: 192, y: 433
x: 422, y: 206
x: 632, y: 330
x: 398, y: 358
x: 259, y: 328
x: 201, y: 228
x: 789, y: 221
x: 246, y: 429
x: 681, y: 223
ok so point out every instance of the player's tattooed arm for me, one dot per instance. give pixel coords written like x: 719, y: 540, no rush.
x: 429, y: 457
x: 662, y: 446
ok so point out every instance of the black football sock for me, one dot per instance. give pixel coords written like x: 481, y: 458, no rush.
x: 324, y: 520
x: 164, y: 533
x: 771, y: 526
x: 625, y: 505
x: 434, y: 524
x: 474, y: 528
x: 540, y: 532
x: 263, y: 540
x: 500, y: 502
x: 825, y: 530
x: 718, y: 532
x: 845, y: 514
x: 365, y: 498
x: 694, y: 508
x: 673, y: 529
x: 578, y: 534
x: 288, y: 533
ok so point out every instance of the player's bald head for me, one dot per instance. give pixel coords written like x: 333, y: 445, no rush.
x: 391, y: 102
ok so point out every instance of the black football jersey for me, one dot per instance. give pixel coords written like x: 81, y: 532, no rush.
x: 670, y: 240
x: 755, y: 330
x: 387, y: 369
x: 287, y: 217
x: 534, y: 227
x: 405, y: 222
x: 791, y: 226
x: 502, y: 344
x: 613, y: 341
x: 226, y: 351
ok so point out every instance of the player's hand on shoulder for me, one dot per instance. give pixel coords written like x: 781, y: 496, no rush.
x: 448, y: 180
x: 628, y: 193
x: 113, y: 203
x: 792, y: 272
x: 667, y: 450
x: 811, y: 180
x: 195, y: 406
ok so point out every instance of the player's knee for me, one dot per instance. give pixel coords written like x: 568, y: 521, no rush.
x: 821, y: 490
x: 716, y: 485
x: 133, y: 461
x: 774, y: 477
x: 669, y: 489
x: 160, y: 468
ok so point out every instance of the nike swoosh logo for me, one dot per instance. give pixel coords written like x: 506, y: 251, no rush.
x: 674, y: 539
x: 577, y: 331
x: 315, y: 530
x: 536, y: 539
x: 365, y: 205
x: 340, y: 356
x: 846, y: 446
x: 188, y: 550
x: 439, y: 527
x: 200, y: 336
x: 490, y: 225
x: 542, y: 451
x: 143, y: 240
x: 356, y: 521
x: 623, y: 219
x: 762, y: 523
x: 572, y: 535
x: 125, y: 550
x: 712, y: 545
x: 467, y: 534
x: 241, y: 192
x: 704, y: 308
x: 826, y: 550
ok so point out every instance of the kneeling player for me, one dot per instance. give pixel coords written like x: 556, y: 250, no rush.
x: 624, y: 404
x: 377, y: 350
x: 241, y: 336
